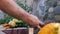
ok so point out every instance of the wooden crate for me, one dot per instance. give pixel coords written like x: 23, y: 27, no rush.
x: 16, y: 31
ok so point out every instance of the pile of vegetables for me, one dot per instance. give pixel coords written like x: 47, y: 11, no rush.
x: 13, y: 22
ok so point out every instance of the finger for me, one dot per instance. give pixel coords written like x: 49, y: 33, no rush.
x: 38, y: 27
x: 41, y: 23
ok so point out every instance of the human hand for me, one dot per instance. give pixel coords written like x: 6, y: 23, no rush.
x: 35, y: 22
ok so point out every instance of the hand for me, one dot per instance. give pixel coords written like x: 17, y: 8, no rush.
x: 36, y: 22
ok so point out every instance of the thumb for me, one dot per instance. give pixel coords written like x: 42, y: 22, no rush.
x: 41, y: 23
x: 38, y: 27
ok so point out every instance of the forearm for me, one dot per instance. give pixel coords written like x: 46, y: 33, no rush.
x: 10, y: 7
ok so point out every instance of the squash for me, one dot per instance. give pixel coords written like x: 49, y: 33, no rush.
x: 51, y: 28
x: 13, y: 22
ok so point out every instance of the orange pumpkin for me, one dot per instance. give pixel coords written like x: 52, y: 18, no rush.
x: 52, y: 28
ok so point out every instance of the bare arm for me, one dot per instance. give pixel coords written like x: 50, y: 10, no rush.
x: 10, y: 7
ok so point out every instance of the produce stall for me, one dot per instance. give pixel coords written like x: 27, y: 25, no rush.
x: 11, y: 25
